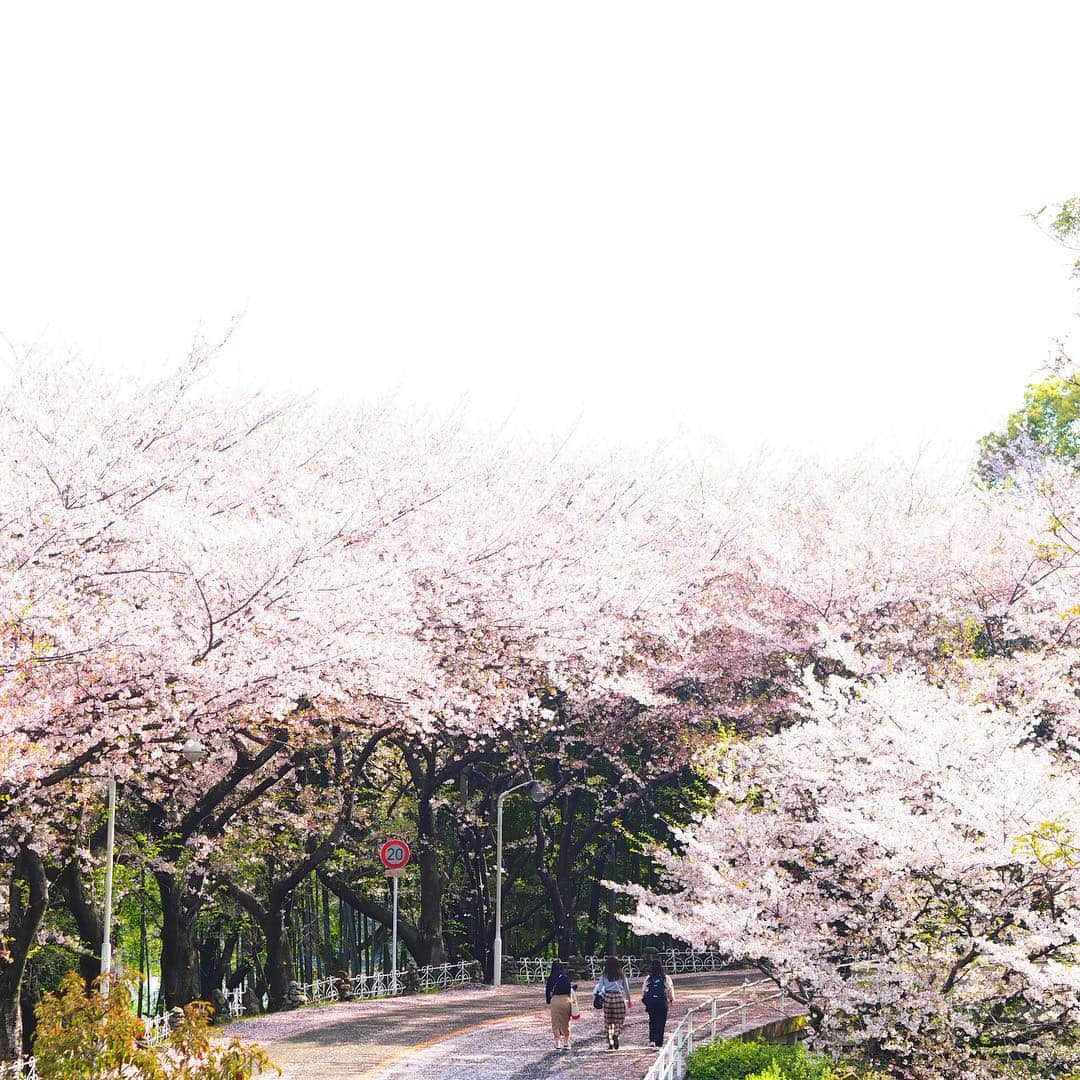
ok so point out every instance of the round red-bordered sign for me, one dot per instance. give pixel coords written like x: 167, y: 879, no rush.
x: 395, y: 854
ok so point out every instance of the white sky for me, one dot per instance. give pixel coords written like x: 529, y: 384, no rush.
x: 797, y: 222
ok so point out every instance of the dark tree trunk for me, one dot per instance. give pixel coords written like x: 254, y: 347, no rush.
x: 432, y: 945
x: 279, y: 957
x: 592, y: 935
x: 215, y: 955
x: 238, y: 975
x: 274, y: 921
x: 29, y: 896
x: 28, y: 1001
x: 612, y: 946
x: 88, y: 920
x: 326, y: 940
x: 10, y: 1022
x: 303, y: 910
x: 564, y: 930
x: 179, y: 947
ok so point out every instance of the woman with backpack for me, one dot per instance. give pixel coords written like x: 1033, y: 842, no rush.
x: 657, y: 995
x: 560, y: 996
x: 613, y: 995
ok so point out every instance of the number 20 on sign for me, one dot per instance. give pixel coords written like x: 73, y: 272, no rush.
x: 395, y: 857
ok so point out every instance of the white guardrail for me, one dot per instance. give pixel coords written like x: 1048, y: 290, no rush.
x: 22, y: 1070
x: 157, y: 1027
x: 705, y: 1022
x: 381, y: 984
x: 534, y: 969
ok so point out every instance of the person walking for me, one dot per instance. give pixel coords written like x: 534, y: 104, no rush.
x: 614, y: 988
x: 657, y: 995
x: 560, y: 996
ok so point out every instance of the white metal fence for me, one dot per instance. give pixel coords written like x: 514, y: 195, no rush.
x: 444, y: 976
x: 381, y: 984
x: 533, y: 969
x: 157, y: 1027
x: 720, y: 1016
x: 25, y: 1069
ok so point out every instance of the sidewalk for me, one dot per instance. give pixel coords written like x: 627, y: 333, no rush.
x: 467, y: 1034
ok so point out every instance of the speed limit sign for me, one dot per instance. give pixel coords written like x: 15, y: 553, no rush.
x: 395, y: 856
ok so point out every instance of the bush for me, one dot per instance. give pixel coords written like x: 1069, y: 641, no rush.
x: 82, y: 1035
x: 737, y: 1060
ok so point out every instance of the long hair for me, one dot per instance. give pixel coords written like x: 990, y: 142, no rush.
x: 613, y: 969
x: 657, y: 967
x: 557, y: 968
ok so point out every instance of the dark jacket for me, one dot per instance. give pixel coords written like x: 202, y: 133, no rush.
x: 557, y: 985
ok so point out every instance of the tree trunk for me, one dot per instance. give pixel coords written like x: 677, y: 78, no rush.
x: 279, y: 957
x: 565, y: 929
x: 88, y: 919
x: 326, y: 940
x: 215, y: 953
x: 29, y: 999
x: 10, y: 1022
x: 179, y: 948
x: 612, y: 947
x: 432, y: 945
x: 593, y: 919
x: 26, y: 908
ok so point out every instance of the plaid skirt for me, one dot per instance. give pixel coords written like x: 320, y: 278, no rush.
x: 614, y: 1010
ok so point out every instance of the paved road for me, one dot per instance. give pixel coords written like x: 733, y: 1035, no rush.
x: 466, y: 1034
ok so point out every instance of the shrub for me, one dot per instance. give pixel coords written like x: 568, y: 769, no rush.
x: 84, y: 1034
x: 737, y: 1060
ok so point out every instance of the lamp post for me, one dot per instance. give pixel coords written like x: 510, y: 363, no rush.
x: 538, y: 794
x: 194, y: 753
x: 106, y: 940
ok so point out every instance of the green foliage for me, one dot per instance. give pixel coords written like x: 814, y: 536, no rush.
x: 1052, y: 843
x: 737, y: 1060
x: 772, y: 1071
x: 1065, y: 226
x: 81, y: 1035
x: 1045, y: 423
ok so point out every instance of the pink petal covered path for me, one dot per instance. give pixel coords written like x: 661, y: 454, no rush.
x: 467, y: 1034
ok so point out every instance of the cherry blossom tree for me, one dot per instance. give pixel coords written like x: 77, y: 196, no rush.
x: 185, y: 563
x: 904, y: 864
x: 159, y: 582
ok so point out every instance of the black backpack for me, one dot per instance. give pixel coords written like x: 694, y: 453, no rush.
x: 654, y: 991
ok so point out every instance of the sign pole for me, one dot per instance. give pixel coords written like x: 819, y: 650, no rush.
x: 496, y: 960
x: 395, y: 857
x: 393, y: 947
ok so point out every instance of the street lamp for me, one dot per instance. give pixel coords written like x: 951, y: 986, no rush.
x: 194, y: 753
x: 106, y: 941
x: 538, y: 793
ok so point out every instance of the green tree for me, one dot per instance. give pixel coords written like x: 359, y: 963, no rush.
x: 1044, y: 426
x: 1061, y: 221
